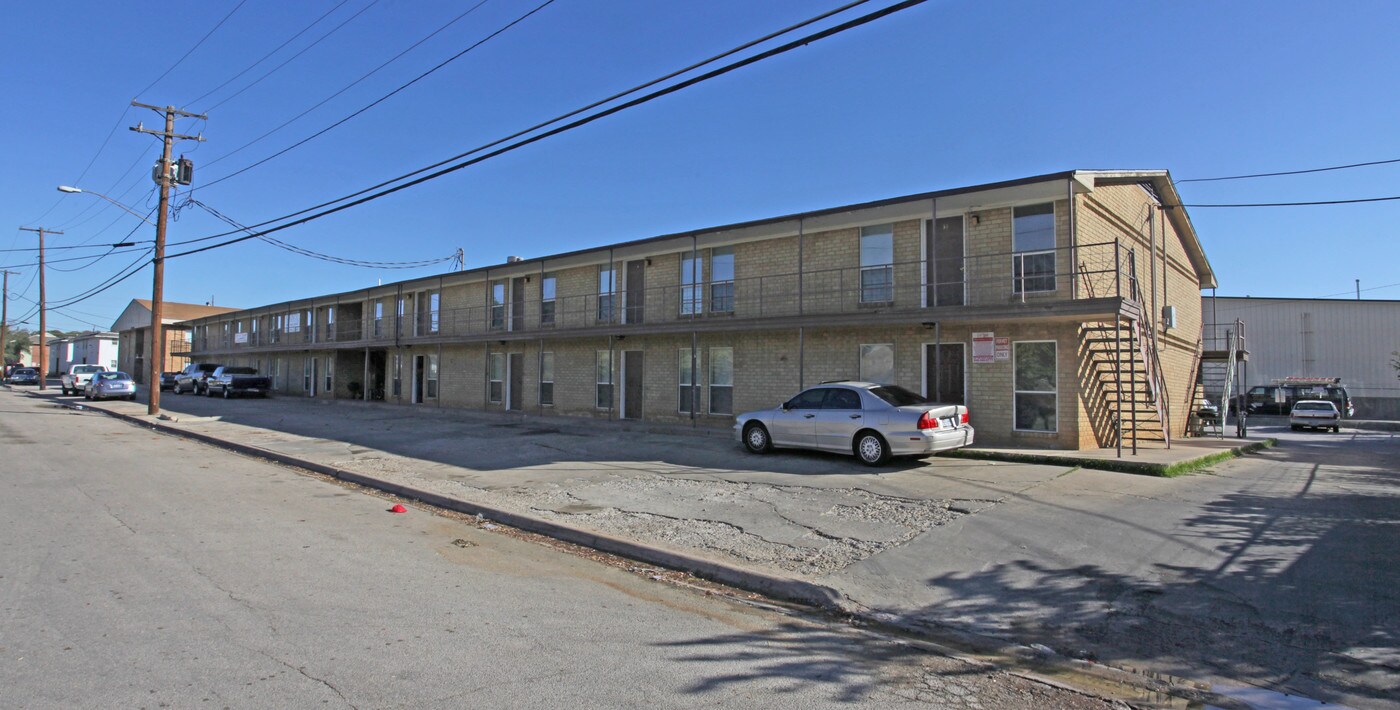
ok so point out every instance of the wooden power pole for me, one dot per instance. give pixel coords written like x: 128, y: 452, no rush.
x: 164, y: 177
x: 5, y: 315
x: 43, y: 359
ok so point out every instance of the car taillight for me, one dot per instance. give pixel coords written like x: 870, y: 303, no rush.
x: 966, y: 418
x: 927, y: 421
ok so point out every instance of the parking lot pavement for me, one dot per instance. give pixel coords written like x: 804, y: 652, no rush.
x: 1272, y: 569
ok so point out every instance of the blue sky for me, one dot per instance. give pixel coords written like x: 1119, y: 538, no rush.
x: 942, y: 95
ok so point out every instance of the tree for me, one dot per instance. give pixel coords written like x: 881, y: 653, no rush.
x: 17, y: 341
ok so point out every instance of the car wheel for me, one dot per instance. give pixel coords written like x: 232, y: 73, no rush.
x: 1336, y: 430
x: 226, y: 394
x: 1295, y: 427
x: 208, y: 392
x: 871, y: 448
x: 756, y: 439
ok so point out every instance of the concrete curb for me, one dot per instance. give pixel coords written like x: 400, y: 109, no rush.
x: 773, y: 586
x: 1166, y: 470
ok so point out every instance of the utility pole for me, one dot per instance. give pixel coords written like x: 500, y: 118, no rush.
x: 5, y: 314
x: 43, y: 358
x: 164, y: 178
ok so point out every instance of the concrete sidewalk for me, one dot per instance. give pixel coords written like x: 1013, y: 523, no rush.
x: 1170, y: 574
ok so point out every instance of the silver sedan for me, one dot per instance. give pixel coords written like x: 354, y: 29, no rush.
x: 110, y: 384
x: 868, y: 420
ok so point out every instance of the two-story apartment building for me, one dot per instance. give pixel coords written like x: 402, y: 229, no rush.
x: 1062, y: 309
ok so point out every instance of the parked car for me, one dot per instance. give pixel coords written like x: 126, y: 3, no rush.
x: 868, y: 420
x: 75, y: 380
x: 167, y: 380
x: 102, y: 385
x: 1315, y: 414
x: 191, y: 379
x: 24, y: 376
x: 1280, y: 397
x: 236, y: 381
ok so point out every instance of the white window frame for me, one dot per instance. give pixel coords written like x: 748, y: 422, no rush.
x: 549, y: 280
x: 1015, y: 345
x: 610, y: 294
x: 378, y: 316
x: 860, y: 362
x: 547, y: 357
x: 713, y: 284
x: 886, y: 267
x: 330, y: 374
x: 711, y: 384
x: 495, y: 378
x: 604, y: 357
x: 1018, y: 258
x: 684, y: 380
x: 430, y: 373
x: 692, y: 300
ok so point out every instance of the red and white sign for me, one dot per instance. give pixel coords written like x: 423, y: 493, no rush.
x: 1003, y: 348
x: 983, y: 347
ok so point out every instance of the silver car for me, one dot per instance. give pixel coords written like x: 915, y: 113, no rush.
x: 1315, y: 414
x: 871, y: 421
x: 110, y: 384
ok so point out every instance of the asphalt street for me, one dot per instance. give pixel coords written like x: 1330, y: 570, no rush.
x: 142, y: 570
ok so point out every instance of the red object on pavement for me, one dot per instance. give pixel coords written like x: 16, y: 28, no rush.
x: 398, y: 508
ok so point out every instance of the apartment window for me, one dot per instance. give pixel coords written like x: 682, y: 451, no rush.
x: 548, y: 286
x: 434, y: 312
x: 496, y: 377
x: 278, y: 323
x: 604, y: 379
x: 306, y: 374
x: 398, y: 316
x: 877, y: 264
x: 692, y: 275
x: 378, y: 317
x: 721, y: 380
x: 254, y: 324
x: 1033, y: 241
x: 397, y: 386
x: 277, y: 373
x: 498, y: 304
x: 687, y: 383
x: 330, y: 322
x: 225, y: 335
x: 547, y: 379
x: 607, y: 283
x: 330, y: 379
x: 722, y: 280
x: 1035, y: 382
x: 877, y: 363
x: 310, y: 326
x: 432, y: 375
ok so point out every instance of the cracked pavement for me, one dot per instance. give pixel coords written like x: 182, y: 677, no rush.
x: 1270, y: 569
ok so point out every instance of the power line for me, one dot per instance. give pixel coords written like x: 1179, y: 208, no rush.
x: 377, y: 101
x: 265, y: 57
x: 292, y: 58
x: 191, y: 50
x: 747, y: 45
x: 1295, y: 204
x: 327, y: 257
x: 1293, y: 172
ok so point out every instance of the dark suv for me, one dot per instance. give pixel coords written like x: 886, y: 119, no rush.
x: 191, y: 379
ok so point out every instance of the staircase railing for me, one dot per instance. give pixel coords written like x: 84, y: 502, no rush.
x: 1146, y: 340
x: 1231, y: 349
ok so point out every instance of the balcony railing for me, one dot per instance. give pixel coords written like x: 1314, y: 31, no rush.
x: 1085, y: 271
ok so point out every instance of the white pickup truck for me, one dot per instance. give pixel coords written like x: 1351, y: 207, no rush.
x: 77, y: 376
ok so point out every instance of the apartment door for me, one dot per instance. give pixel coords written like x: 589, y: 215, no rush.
x: 632, y: 397
x: 636, y: 291
x: 946, y: 275
x: 315, y: 377
x: 515, y: 380
x: 945, y: 373
x: 418, y: 367
x: 517, y: 306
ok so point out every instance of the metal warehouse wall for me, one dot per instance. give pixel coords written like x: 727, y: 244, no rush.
x: 1349, y: 339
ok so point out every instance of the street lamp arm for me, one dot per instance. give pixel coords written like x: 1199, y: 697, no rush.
x: 134, y: 213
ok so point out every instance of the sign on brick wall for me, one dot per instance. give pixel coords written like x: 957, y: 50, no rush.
x: 983, y: 347
x: 1003, y: 348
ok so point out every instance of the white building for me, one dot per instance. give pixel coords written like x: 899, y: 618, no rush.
x: 95, y: 348
x: 1320, y: 337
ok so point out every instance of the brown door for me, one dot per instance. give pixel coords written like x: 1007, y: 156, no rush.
x: 946, y: 277
x: 945, y: 373
x: 516, y: 366
x: 517, y: 305
x: 632, y: 384
x: 636, y: 291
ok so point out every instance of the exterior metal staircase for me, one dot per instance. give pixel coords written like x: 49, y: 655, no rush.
x: 1132, y: 392
x: 1219, y: 370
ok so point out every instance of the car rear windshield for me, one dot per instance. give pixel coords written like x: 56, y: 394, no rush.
x: 112, y: 376
x: 240, y: 371
x: 87, y: 368
x: 1315, y: 407
x: 898, y: 396
x: 207, y: 368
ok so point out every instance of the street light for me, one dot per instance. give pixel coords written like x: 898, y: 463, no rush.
x: 77, y: 190
x: 156, y: 352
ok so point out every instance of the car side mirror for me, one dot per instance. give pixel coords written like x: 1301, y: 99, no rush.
x: 785, y: 406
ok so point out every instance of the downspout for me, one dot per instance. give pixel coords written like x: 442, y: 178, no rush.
x: 801, y: 303
x: 1073, y: 242
x: 694, y: 336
